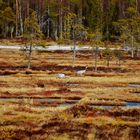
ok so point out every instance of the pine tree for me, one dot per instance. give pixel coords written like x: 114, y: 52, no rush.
x: 7, y: 22
x: 32, y: 31
x: 129, y: 27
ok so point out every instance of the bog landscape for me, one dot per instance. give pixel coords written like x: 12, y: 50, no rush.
x: 69, y: 70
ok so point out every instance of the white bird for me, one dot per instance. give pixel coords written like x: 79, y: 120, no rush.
x: 81, y: 72
x: 61, y: 76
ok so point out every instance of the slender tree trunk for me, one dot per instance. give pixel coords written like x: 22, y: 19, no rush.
x: 108, y: 60
x: 138, y: 52
x: 80, y: 17
x: 74, y: 53
x: 30, y: 54
x: 74, y: 56
x: 17, y: 12
x: 28, y: 7
x: 93, y: 52
x: 65, y: 29
x: 12, y: 30
x: 55, y: 31
x: 107, y: 28
x: 48, y: 29
x: 132, y: 48
x: 20, y: 17
x: 136, y: 5
x: 96, y: 58
x: 5, y: 30
x: 60, y: 21
x: 68, y: 23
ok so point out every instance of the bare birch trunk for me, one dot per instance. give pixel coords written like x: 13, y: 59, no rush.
x: 60, y: 21
x: 20, y: 17
x: 17, y: 12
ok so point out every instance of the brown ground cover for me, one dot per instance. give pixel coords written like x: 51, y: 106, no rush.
x: 36, y: 104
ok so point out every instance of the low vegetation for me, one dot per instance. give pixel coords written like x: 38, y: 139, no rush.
x: 36, y: 104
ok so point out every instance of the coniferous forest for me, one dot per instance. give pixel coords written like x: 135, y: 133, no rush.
x: 68, y: 19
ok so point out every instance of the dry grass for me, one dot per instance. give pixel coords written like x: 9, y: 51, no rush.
x: 69, y: 122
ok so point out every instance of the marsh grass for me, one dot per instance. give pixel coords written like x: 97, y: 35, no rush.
x: 72, y: 122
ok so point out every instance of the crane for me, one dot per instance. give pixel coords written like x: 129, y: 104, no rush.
x: 81, y: 72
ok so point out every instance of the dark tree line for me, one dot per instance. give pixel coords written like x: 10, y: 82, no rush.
x: 66, y: 19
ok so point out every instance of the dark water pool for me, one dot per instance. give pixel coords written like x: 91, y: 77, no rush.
x: 133, y: 104
x: 128, y: 104
x: 134, y: 85
x: 45, y: 101
x: 63, y: 102
x: 135, y: 92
